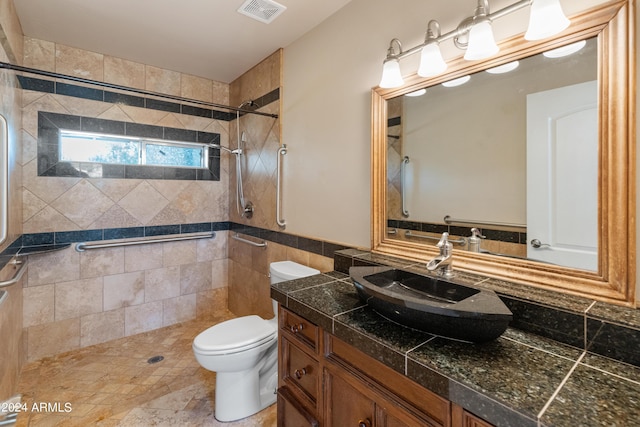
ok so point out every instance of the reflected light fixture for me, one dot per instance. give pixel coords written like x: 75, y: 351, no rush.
x: 457, y: 82
x: 474, y: 34
x: 504, y: 68
x: 415, y: 93
x: 565, y: 50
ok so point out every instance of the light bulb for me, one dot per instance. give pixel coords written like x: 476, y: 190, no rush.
x: 391, y: 75
x: 431, y: 61
x: 481, y: 42
x: 546, y: 19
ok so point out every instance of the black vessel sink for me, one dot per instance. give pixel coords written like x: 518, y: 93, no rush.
x: 432, y: 304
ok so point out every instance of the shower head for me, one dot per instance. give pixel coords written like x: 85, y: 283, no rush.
x: 223, y: 148
x: 250, y: 103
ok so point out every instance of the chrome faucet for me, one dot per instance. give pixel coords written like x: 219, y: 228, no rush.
x: 443, y: 263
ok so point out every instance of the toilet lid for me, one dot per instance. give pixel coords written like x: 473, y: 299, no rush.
x: 235, y: 334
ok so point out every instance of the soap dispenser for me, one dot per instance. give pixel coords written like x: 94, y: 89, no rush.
x: 474, y: 240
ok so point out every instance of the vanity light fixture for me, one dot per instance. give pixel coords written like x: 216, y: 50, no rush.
x: 391, y: 75
x: 431, y: 60
x: 474, y: 34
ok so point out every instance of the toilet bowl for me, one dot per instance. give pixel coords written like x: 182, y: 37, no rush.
x: 244, y: 354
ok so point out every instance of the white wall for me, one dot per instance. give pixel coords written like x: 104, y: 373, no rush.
x: 327, y: 78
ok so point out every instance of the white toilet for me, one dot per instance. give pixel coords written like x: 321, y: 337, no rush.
x: 244, y: 354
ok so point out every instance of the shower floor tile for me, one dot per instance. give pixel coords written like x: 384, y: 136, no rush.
x: 112, y: 384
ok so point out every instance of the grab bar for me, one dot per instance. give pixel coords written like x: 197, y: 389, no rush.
x: 81, y: 247
x: 4, y: 191
x: 449, y: 220
x: 3, y: 296
x: 403, y: 171
x: 243, y: 240
x: 460, y: 241
x: 19, y: 266
x: 281, y: 152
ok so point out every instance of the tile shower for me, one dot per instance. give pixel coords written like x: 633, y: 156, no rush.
x: 74, y: 300
x: 77, y: 299
x: 70, y: 302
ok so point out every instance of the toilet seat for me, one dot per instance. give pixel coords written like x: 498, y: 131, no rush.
x: 235, y: 335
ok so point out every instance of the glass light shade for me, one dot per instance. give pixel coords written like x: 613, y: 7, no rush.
x: 481, y: 42
x: 431, y: 61
x: 391, y: 75
x: 546, y: 19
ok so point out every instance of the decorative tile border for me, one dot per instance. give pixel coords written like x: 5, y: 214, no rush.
x: 50, y: 86
x: 318, y: 247
x: 64, y: 237
x: 50, y: 124
x: 489, y: 233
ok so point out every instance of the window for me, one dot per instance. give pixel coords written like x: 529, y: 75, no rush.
x: 77, y: 146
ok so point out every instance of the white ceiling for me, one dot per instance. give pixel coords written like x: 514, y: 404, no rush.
x: 205, y: 38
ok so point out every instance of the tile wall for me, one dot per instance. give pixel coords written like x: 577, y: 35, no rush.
x: 248, y: 265
x: 11, y: 334
x: 72, y: 299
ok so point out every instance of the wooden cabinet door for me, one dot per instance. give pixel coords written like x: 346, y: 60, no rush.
x: 346, y: 406
x: 292, y: 413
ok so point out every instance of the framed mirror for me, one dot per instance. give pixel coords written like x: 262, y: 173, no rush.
x: 469, y: 157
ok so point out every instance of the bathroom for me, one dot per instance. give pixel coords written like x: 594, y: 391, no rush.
x: 323, y: 114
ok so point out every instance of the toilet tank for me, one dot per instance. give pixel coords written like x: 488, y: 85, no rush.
x: 288, y: 270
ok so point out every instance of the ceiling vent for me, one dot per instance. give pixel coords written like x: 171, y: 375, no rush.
x: 262, y: 10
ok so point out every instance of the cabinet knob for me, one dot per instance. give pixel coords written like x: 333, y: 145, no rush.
x: 364, y: 423
x: 296, y: 328
x: 299, y: 373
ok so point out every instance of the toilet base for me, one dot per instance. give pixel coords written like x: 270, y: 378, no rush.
x: 242, y: 396
x: 247, y: 392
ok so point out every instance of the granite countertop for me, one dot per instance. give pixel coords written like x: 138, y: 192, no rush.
x: 520, y: 379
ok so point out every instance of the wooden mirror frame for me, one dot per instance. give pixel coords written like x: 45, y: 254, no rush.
x: 615, y: 281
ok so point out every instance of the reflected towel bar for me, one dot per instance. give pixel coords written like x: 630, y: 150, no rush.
x: 81, y: 247
x: 19, y: 266
x: 243, y: 240
x: 449, y: 220
x: 403, y: 185
x: 460, y: 241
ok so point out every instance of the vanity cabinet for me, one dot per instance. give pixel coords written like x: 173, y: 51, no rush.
x: 324, y: 381
x: 299, y: 373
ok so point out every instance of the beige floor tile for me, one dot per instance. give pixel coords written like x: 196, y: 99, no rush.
x: 111, y: 384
